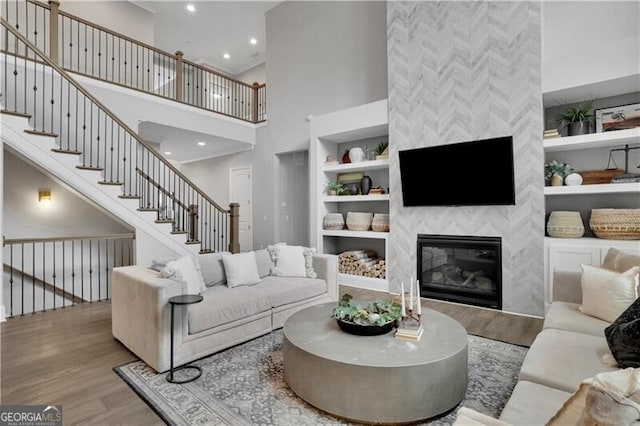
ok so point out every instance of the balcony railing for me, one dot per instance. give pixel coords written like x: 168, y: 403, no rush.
x: 91, y: 50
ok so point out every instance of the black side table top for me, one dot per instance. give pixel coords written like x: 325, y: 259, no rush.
x: 186, y: 299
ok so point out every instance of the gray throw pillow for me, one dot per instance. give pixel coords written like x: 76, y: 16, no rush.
x: 160, y: 262
x: 263, y: 259
x: 623, y: 337
x: 212, y: 268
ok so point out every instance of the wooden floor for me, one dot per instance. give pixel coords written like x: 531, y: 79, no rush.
x: 66, y: 357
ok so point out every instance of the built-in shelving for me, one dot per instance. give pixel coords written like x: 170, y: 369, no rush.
x: 357, y: 167
x: 351, y: 198
x: 607, y: 188
x: 593, y: 140
x: 631, y: 245
x: 356, y: 234
x: 363, y: 282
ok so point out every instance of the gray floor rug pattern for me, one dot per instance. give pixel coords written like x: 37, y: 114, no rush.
x: 244, y: 385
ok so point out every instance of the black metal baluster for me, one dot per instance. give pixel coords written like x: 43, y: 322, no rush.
x: 64, y: 285
x: 44, y: 276
x: 90, y: 271
x: 82, y: 269
x: 73, y: 271
x: 33, y: 278
x: 99, y: 272
x: 53, y: 246
x: 22, y: 278
x: 11, y: 279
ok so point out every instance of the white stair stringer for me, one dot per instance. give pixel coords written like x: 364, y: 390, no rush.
x: 63, y: 166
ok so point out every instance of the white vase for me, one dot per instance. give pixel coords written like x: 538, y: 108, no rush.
x: 573, y: 179
x: 356, y: 154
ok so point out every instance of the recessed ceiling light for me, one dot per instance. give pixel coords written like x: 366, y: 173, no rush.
x: 253, y: 41
x: 202, y: 143
x: 191, y: 8
x: 167, y: 153
x: 226, y: 56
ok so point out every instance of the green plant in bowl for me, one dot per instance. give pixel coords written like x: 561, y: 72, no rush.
x: 555, y: 168
x: 334, y: 188
x: 379, y: 149
x: 378, y: 312
x: 576, y: 118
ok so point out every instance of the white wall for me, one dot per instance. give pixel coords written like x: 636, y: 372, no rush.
x: 123, y: 17
x: 253, y: 75
x: 589, y: 41
x: 293, y: 198
x: 2, y: 310
x: 67, y: 215
x: 322, y: 57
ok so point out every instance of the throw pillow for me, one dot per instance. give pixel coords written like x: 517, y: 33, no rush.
x: 619, y: 261
x: 212, y: 268
x: 606, y: 294
x: 623, y: 337
x: 263, y: 259
x: 185, y: 270
x: 241, y: 269
x: 161, y: 262
x: 290, y: 262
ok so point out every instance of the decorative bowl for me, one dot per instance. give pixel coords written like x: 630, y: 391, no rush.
x: 615, y: 224
x: 333, y: 221
x: 562, y: 224
x: 380, y: 222
x: 357, y: 221
x: 365, y: 330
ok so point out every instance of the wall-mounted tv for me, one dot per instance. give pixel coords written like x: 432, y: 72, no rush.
x: 474, y: 173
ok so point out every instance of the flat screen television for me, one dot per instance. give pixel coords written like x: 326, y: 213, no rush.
x: 474, y: 173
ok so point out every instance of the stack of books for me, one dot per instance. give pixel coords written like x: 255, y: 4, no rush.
x: 409, y: 330
x: 551, y: 133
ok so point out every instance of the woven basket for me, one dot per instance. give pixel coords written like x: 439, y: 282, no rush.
x: 333, y: 222
x: 359, y: 221
x: 563, y: 224
x: 616, y: 224
x: 380, y: 222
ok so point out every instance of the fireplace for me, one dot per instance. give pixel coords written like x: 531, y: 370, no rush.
x: 463, y: 269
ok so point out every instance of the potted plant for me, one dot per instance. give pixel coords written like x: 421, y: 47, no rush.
x: 555, y: 172
x: 334, y: 188
x: 377, y: 317
x: 576, y: 119
x: 381, y: 150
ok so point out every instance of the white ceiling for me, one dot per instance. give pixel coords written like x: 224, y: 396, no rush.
x: 215, y: 28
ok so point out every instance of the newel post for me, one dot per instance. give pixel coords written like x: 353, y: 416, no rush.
x: 256, y: 86
x: 178, y: 81
x: 53, y: 30
x: 234, y: 228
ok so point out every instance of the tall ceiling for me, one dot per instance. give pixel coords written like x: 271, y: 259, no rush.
x: 213, y: 29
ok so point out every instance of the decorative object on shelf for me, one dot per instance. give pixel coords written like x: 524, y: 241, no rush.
x: 345, y: 157
x: 364, y: 263
x: 626, y: 177
x: 359, y: 221
x: 555, y: 172
x: 333, y: 222
x: 378, y: 317
x: 334, y: 188
x: 380, y: 222
x: 356, y: 155
x: 573, y: 179
x: 615, y: 224
x: 353, y: 188
x: 576, y: 119
x: 365, y: 185
x: 617, y: 118
x: 382, y: 151
x: 376, y: 190
x: 351, y: 181
x: 597, y: 177
x: 331, y: 160
x: 550, y: 134
x: 565, y: 224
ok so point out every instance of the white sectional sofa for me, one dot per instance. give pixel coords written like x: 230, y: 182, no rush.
x: 227, y: 316
x: 569, y: 349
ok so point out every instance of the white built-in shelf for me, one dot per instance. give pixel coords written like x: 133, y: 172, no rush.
x: 363, y: 282
x: 615, y: 138
x: 351, y: 198
x: 357, y: 167
x: 633, y: 245
x: 356, y: 234
x: 607, y: 188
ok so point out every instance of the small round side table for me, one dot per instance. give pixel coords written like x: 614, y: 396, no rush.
x: 185, y: 299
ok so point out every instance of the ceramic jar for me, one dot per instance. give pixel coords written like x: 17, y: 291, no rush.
x: 356, y: 155
x: 556, y: 180
x: 380, y: 222
x: 573, y: 179
x: 333, y: 222
x: 564, y: 224
x: 357, y: 221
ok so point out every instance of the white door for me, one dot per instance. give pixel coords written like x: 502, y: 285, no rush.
x: 240, y: 192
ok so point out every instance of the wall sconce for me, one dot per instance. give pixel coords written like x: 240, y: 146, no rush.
x: 44, y: 195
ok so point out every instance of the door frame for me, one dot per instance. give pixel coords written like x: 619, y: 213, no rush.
x: 232, y: 170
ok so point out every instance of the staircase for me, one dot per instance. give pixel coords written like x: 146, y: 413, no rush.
x: 52, y: 120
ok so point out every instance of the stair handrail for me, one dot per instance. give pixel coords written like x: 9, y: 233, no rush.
x: 107, y: 111
x: 120, y: 236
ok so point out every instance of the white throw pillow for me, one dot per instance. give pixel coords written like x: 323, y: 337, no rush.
x: 290, y: 262
x: 241, y: 269
x: 185, y: 269
x: 606, y: 294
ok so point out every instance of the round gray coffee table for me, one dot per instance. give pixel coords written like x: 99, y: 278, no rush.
x: 375, y: 379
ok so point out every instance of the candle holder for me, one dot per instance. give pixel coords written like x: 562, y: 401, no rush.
x: 410, y: 327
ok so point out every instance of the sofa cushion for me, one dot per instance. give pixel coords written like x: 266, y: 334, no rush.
x: 264, y: 262
x: 222, y: 305
x: 284, y: 290
x: 185, y: 269
x: 623, y: 337
x: 563, y: 359
x: 532, y: 402
x: 566, y: 316
x: 212, y: 268
x: 606, y: 294
x: 619, y: 261
x: 241, y: 269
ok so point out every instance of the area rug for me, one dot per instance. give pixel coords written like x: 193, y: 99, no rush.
x: 244, y: 385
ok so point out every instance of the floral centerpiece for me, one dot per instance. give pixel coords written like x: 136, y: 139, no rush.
x: 378, y: 317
